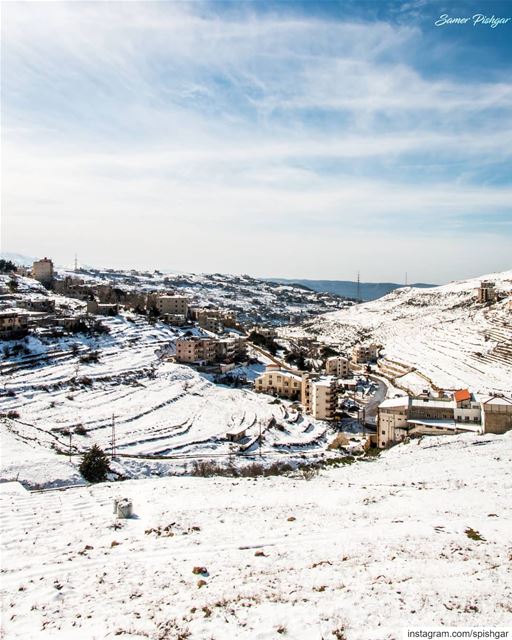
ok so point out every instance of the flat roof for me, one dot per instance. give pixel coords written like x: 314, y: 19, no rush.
x: 402, y: 401
x: 448, y: 424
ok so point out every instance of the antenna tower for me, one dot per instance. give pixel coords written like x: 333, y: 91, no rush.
x: 358, y: 287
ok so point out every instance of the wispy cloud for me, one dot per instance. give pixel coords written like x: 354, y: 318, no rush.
x: 129, y: 127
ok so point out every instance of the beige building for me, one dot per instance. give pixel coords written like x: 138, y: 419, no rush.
x: 214, y: 320
x: 486, y: 292
x: 173, y: 305
x: 98, y: 309
x: 497, y: 414
x: 279, y: 382
x: 362, y: 353
x: 42, y: 270
x: 11, y: 322
x: 337, y: 366
x: 196, y: 350
x: 319, y: 396
x: 399, y: 417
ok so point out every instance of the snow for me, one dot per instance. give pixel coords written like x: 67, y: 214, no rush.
x: 159, y: 408
x: 361, y: 551
x: 439, y: 336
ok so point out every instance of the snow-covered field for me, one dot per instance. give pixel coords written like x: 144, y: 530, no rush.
x: 159, y: 408
x: 442, y: 332
x: 417, y: 537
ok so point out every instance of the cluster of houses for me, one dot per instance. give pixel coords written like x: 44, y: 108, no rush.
x: 401, y: 417
x: 319, y: 393
x: 103, y: 299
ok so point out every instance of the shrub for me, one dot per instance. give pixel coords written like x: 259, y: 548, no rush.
x: 94, y: 466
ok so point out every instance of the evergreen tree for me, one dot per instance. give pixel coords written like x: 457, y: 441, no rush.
x: 94, y: 466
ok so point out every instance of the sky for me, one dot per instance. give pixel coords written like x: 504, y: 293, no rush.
x: 292, y: 139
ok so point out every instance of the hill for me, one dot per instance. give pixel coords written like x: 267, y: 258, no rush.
x: 349, y: 289
x: 422, y: 532
x: 440, y: 332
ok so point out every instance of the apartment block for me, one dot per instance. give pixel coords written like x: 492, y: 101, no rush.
x: 486, y: 292
x: 319, y: 396
x: 362, y: 353
x: 196, y: 350
x: 12, y: 322
x: 42, y: 270
x: 337, y: 366
x: 173, y: 305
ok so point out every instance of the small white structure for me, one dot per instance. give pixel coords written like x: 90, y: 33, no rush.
x: 123, y: 507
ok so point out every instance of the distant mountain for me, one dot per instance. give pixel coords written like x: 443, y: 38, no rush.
x: 348, y: 288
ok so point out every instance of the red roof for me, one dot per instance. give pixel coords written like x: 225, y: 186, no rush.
x: 461, y: 395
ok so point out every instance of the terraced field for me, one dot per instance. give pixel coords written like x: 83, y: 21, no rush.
x: 159, y: 409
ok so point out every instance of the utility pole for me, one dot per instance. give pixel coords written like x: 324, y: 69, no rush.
x: 113, y: 448
x: 76, y: 263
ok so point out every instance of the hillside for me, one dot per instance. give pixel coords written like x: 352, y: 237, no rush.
x: 417, y: 537
x: 441, y: 332
x: 349, y: 288
x: 253, y: 300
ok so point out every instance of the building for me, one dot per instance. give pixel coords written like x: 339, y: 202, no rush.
x: 337, y: 366
x: 172, y: 305
x: 497, y: 414
x: 236, y: 435
x: 362, y: 353
x: 424, y: 415
x: 175, y: 319
x: 486, y: 292
x: 196, y: 350
x: 46, y: 305
x: 12, y: 324
x: 213, y: 320
x: 279, y: 382
x: 231, y: 349
x: 319, y: 396
x: 98, y: 309
x: 42, y: 270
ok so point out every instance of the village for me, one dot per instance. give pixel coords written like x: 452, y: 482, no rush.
x: 348, y: 387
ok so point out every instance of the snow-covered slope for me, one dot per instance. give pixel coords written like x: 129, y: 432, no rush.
x: 442, y: 332
x: 418, y: 537
x: 76, y: 386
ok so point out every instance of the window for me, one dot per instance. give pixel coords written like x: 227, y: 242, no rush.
x: 383, y: 432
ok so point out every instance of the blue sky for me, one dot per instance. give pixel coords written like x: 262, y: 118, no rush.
x: 300, y: 139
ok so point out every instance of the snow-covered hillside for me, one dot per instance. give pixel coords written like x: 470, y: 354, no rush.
x: 442, y: 332
x: 252, y: 299
x: 417, y: 537
x: 76, y: 386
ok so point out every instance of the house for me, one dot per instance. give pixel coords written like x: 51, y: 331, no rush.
x: 319, y: 396
x: 362, y: 353
x: 213, y: 320
x: 98, y: 309
x: 337, y: 366
x: 235, y: 435
x: 42, y: 271
x: 486, y: 292
x: 175, y: 319
x: 173, y: 305
x: 279, y: 382
x: 46, y: 305
x: 12, y: 324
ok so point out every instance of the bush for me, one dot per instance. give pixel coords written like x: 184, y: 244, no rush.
x: 94, y: 466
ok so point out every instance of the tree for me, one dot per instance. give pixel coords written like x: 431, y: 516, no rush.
x: 6, y: 266
x: 94, y: 466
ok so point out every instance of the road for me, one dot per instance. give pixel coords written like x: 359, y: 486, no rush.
x: 370, y: 411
